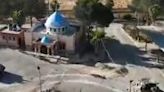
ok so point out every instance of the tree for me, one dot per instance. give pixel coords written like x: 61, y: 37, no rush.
x: 18, y: 17
x: 109, y: 3
x: 54, y: 5
x: 97, y: 36
x: 83, y: 10
x: 8, y: 6
x: 154, y: 12
x: 145, y: 9
x: 161, y: 4
x: 34, y: 8
x: 4, y: 8
x: 91, y: 11
x: 105, y: 12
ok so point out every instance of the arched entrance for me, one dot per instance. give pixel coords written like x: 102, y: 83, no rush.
x: 43, y: 49
x: 60, y: 46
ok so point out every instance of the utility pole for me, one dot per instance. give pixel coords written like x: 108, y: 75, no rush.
x: 40, y: 84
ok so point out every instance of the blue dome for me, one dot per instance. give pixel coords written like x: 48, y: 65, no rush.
x: 56, y: 20
x: 46, y: 40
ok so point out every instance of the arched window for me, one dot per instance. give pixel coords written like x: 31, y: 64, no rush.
x: 63, y: 29
x: 54, y: 30
x: 51, y: 29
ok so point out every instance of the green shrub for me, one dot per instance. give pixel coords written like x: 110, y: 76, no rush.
x: 127, y: 17
x: 137, y: 34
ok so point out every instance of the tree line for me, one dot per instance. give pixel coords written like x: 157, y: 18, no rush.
x: 147, y: 10
x: 38, y: 9
x: 22, y: 8
x: 29, y: 7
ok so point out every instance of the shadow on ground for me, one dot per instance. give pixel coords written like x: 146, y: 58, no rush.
x: 122, y: 54
x: 127, y: 54
x: 10, y: 78
x: 157, y: 37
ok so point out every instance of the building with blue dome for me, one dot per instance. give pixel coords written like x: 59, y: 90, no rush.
x: 56, y: 20
x: 55, y: 34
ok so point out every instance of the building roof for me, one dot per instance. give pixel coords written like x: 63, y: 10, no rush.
x: 118, y: 4
x: 46, y: 40
x: 13, y: 29
x: 7, y: 31
x: 56, y: 20
x: 3, y: 27
x: 69, y: 4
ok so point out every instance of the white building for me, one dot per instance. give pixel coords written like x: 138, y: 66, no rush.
x: 56, y: 34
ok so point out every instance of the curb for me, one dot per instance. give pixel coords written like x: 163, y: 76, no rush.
x: 135, y: 43
x: 162, y: 74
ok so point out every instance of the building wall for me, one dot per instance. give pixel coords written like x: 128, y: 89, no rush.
x: 69, y: 40
x: 37, y: 35
x: 32, y: 36
x: 28, y: 39
x: 10, y: 40
x: 120, y: 15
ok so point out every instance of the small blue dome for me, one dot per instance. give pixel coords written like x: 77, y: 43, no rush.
x: 46, y: 40
x: 56, y: 20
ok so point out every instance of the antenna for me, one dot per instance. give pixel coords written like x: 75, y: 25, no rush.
x: 56, y: 5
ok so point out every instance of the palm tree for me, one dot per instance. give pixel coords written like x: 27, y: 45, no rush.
x: 18, y: 17
x: 154, y: 11
x: 97, y: 36
x: 147, y: 9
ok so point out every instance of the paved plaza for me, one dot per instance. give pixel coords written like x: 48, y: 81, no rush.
x: 21, y: 69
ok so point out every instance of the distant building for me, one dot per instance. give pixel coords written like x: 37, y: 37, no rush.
x: 53, y: 35
x: 13, y: 36
x: 120, y: 8
x: 66, y: 7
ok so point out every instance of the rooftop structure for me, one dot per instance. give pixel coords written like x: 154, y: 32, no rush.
x: 121, y: 7
x: 121, y: 4
x: 12, y: 29
x: 56, y: 20
x: 46, y: 40
x: 12, y: 36
x: 70, y: 4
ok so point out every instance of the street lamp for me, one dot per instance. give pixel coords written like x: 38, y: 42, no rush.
x: 40, y: 84
x: 130, y: 85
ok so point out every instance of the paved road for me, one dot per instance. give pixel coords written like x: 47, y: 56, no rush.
x: 124, y: 51
x: 22, y: 74
x: 156, y: 34
x: 122, y: 48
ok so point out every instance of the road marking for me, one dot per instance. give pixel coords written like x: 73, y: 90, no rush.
x: 135, y: 43
x: 109, y: 56
x: 82, y: 81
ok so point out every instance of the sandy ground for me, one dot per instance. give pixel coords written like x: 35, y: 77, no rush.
x: 21, y: 72
x: 22, y: 75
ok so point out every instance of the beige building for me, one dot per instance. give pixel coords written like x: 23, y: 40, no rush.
x: 120, y: 8
x: 13, y: 36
